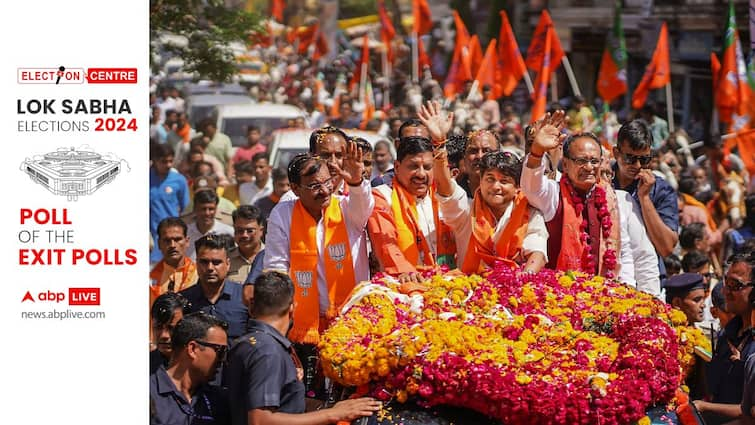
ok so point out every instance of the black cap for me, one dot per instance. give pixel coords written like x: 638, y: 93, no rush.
x: 681, y: 284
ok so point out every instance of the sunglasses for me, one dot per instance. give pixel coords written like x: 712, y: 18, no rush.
x: 220, y: 350
x: 734, y: 285
x: 631, y: 159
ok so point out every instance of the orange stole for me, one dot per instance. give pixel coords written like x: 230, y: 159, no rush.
x: 183, y: 276
x: 411, y: 240
x: 572, y: 247
x: 339, y: 268
x: 482, y: 250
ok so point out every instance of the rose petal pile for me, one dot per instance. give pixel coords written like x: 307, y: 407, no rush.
x: 546, y: 348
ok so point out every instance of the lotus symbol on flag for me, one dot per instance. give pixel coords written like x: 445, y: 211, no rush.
x: 304, y: 280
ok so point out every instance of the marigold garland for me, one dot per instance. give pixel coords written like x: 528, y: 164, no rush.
x: 546, y: 348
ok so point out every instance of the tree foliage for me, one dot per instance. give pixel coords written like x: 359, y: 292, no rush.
x: 209, y: 26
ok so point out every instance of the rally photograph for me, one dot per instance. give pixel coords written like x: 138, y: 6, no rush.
x: 452, y: 212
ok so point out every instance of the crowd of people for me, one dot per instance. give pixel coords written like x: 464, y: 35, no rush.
x: 465, y: 185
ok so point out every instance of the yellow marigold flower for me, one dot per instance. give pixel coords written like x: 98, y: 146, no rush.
x: 523, y: 379
x: 644, y: 421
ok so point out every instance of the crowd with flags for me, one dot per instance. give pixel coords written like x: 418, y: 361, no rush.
x: 464, y: 181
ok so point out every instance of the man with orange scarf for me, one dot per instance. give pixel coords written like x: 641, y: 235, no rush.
x: 500, y: 225
x: 407, y: 230
x: 589, y: 223
x: 318, y: 239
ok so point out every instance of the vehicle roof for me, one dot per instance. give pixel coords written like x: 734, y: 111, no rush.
x: 262, y: 110
x: 217, y: 99
x: 202, y: 88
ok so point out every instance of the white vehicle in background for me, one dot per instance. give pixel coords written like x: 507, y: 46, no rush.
x: 235, y: 119
x: 287, y: 143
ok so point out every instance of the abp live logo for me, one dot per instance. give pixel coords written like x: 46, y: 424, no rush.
x: 76, y: 296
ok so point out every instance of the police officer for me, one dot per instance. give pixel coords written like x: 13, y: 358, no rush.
x: 686, y: 292
x: 264, y: 375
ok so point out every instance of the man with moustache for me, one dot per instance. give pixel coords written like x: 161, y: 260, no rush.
x: 175, y: 272
x: 409, y: 128
x: 205, y: 223
x: 589, y: 224
x: 264, y: 374
x: 407, y: 229
x: 479, y: 143
x: 180, y: 394
x: 248, y: 228
x: 318, y: 238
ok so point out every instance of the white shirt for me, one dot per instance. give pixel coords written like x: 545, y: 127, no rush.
x: 356, y: 209
x: 193, y: 233
x: 457, y: 210
x: 249, y: 193
x: 639, y: 264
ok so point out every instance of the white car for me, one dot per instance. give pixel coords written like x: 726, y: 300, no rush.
x: 287, y: 143
x: 235, y: 119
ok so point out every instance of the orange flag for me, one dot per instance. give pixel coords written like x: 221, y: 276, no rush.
x: 715, y: 69
x: 423, y: 60
x: 536, y: 51
x: 455, y: 81
x: 657, y: 73
x: 363, y: 59
x: 733, y: 93
x: 475, y: 54
x: 511, y: 66
x: 387, y: 31
x: 540, y: 96
x: 612, y: 77
x: 423, y: 21
x: 487, y: 72
x: 745, y: 143
x: 276, y: 9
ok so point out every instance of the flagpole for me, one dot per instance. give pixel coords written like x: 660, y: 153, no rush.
x: 669, y: 108
x: 554, y: 88
x: 363, y: 81
x: 528, y: 81
x: 415, y: 58
x: 570, y: 74
x: 387, y: 76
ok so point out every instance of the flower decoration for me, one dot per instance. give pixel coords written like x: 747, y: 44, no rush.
x: 545, y: 348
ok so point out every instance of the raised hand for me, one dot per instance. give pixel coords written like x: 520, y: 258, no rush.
x: 546, y: 132
x: 436, y: 120
x: 353, y: 165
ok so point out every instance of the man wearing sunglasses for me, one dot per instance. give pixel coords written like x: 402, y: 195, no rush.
x: 726, y: 371
x: 659, y: 209
x: 180, y: 394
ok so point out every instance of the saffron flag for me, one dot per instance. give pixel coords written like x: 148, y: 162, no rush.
x: 455, y: 81
x: 511, y: 65
x: 369, y: 106
x: 423, y: 59
x: 715, y: 69
x: 423, y: 21
x: 536, y: 51
x: 364, y: 59
x: 744, y: 141
x: 486, y: 75
x: 387, y: 31
x: 276, y: 9
x: 612, y: 77
x: 733, y: 92
x: 658, y: 72
x: 540, y: 96
x: 475, y: 55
